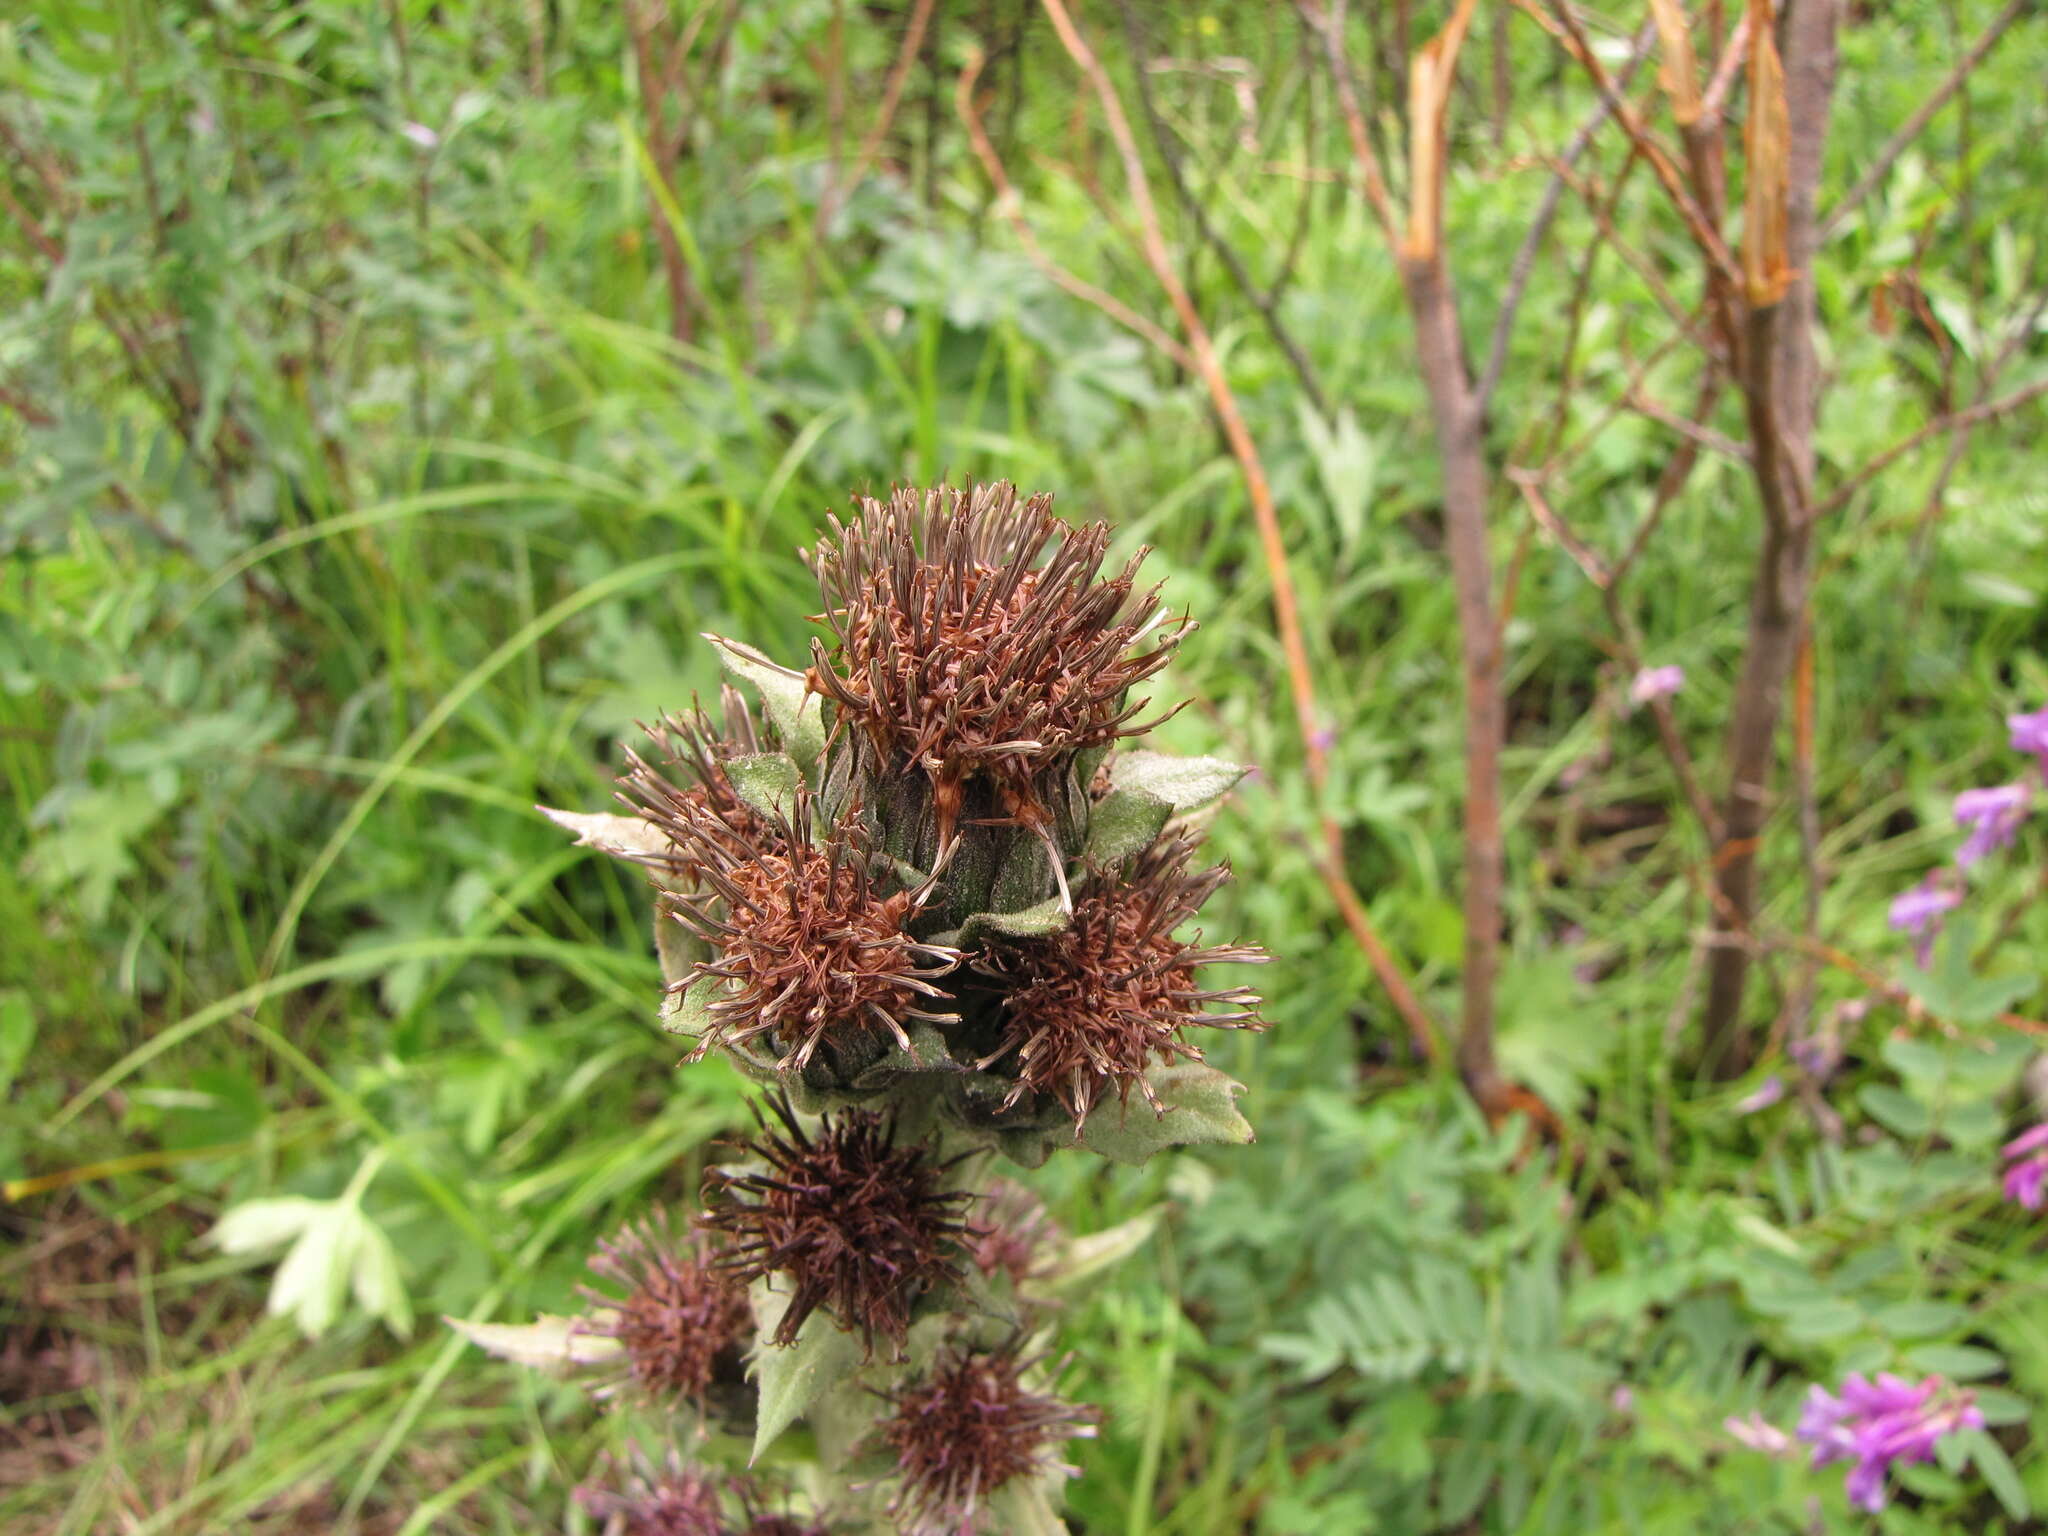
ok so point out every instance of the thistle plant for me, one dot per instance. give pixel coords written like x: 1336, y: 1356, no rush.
x: 927, y: 894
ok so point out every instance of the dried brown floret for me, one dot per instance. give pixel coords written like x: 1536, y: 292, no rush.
x: 1013, y: 1235
x: 672, y: 801
x: 1094, y: 1005
x: 965, y: 1430
x: 806, y: 948
x: 850, y: 1221
x: 681, y: 1321
x: 974, y: 636
x: 670, y: 1500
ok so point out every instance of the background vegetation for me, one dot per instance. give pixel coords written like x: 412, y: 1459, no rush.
x: 389, y: 392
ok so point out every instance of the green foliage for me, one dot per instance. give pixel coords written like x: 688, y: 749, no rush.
x: 417, y: 502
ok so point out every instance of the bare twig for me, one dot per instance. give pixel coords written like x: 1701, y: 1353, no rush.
x: 1422, y: 1028
x: 1689, y: 428
x: 1329, y: 25
x: 1539, y: 227
x: 1880, y: 167
x: 1989, y: 410
x: 885, y: 116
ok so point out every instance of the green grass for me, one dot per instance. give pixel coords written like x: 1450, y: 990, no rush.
x: 272, y: 720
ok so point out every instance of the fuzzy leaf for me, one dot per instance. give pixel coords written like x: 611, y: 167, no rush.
x: 255, y: 1225
x: 675, y: 947
x: 1086, y: 1256
x: 623, y: 837
x: 1201, y: 1105
x: 1127, y: 821
x: 792, y: 1378
x: 1031, y: 923
x: 1185, y: 783
x: 767, y: 781
x: 374, y: 1280
x: 547, y: 1343
x: 684, y: 1012
x: 794, y: 711
x: 1023, y: 1507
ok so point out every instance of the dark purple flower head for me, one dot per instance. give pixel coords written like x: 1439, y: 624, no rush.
x: 1993, y: 817
x: 1875, y: 1424
x: 1763, y: 1096
x: 681, y: 1322
x: 1655, y: 683
x: 645, y: 1500
x: 1919, y: 910
x: 2026, y: 1173
x: 2030, y: 734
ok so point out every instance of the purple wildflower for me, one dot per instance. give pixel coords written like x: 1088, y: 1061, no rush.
x: 2026, y: 1174
x: 1993, y: 817
x: 1758, y: 1434
x: 421, y: 135
x: 1876, y: 1424
x: 1655, y: 683
x: 1763, y: 1096
x: 1918, y: 911
x: 2030, y: 734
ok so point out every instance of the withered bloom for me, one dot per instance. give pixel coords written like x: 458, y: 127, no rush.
x: 965, y: 1430
x: 1092, y: 1006
x: 1012, y: 1234
x: 691, y: 744
x: 851, y: 1221
x: 671, y: 1500
x: 758, y: 1520
x: 805, y: 946
x: 682, y: 1323
x: 974, y: 636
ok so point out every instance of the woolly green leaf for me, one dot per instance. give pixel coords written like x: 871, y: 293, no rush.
x: 1023, y: 1507
x: 1185, y: 783
x: 1201, y: 1109
x: 1083, y: 1257
x: 1126, y: 821
x: 793, y: 1377
x: 794, y: 711
x: 1031, y: 923
x: 623, y: 837
x: 685, y: 1012
x: 547, y: 1343
x: 375, y: 1282
x: 313, y: 1279
x: 255, y: 1225
x: 675, y: 946
x: 767, y: 781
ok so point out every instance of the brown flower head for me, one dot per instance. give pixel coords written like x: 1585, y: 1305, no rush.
x: 965, y: 1430
x: 974, y: 636
x: 681, y: 1321
x: 757, y: 1519
x: 1093, y: 1005
x: 669, y: 1500
x: 806, y: 948
x: 1012, y: 1234
x: 851, y: 1221
x: 687, y: 783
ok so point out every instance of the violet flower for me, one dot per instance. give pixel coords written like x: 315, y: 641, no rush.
x: 1993, y: 817
x: 1759, y: 1434
x: 1918, y: 911
x: 1877, y: 1424
x: 2026, y: 1174
x: 2030, y: 734
x: 1763, y: 1096
x: 1655, y: 683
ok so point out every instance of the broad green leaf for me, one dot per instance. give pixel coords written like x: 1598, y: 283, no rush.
x: 1958, y: 1362
x: 1999, y: 1474
x: 17, y: 1034
x: 1953, y: 990
x: 767, y: 781
x: 1919, y: 1319
x: 793, y: 1377
x: 1201, y: 1109
x: 1031, y: 923
x: 374, y: 1279
x: 685, y: 1012
x: 1185, y: 783
x: 1023, y: 1507
x: 623, y: 837
x: 547, y: 1343
x: 1900, y: 1113
x: 313, y: 1279
x: 795, y: 712
x: 1124, y: 822
x: 255, y: 1225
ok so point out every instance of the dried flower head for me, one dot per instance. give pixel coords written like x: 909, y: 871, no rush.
x: 1013, y: 1235
x: 806, y: 947
x: 974, y: 636
x: 965, y: 1430
x: 687, y: 784
x: 853, y: 1222
x: 758, y: 1520
x: 681, y: 1321
x: 670, y: 1500
x: 1092, y: 1006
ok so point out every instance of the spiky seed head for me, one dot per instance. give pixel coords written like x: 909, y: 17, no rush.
x: 681, y: 1322
x: 847, y: 1218
x: 641, y: 1499
x: 1012, y: 1234
x: 807, y: 948
x: 685, y: 783
x: 974, y: 635
x: 1089, y: 1008
x: 966, y: 1429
